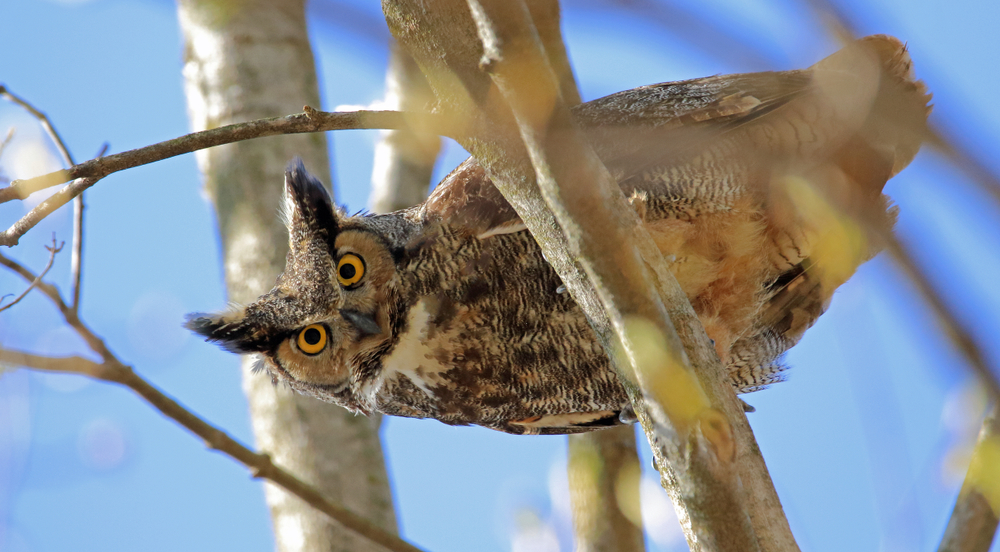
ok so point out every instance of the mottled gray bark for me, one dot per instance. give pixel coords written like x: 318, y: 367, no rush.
x: 247, y: 60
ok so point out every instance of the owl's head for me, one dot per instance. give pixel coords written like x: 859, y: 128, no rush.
x: 329, y: 304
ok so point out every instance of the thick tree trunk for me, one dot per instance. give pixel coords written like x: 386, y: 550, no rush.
x: 246, y: 60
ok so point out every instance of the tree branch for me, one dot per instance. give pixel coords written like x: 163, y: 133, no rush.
x: 973, y: 523
x: 87, y: 174
x: 310, y: 120
x: 44, y: 120
x: 445, y: 43
x: 113, y: 370
x: 599, y: 227
x: 77, y: 257
x: 603, y: 467
x: 11, y: 236
x: 260, y: 465
x: 53, y: 249
x: 404, y: 160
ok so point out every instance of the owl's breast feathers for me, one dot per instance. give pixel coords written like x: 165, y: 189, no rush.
x: 749, y: 184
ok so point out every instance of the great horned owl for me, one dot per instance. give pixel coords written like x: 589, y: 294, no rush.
x: 448, y: 310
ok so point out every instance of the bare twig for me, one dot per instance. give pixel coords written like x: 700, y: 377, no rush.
x: 260, y: 465
x: 6, y: 140
x: 12, y: 235
x: 76, y: 261
x: 3, y: 146
x: 86, y: 174
x: 43, y: 119
x: 310, y: 120
x: 113, y: 370
x: 53, y: 250
x: 973, y: 522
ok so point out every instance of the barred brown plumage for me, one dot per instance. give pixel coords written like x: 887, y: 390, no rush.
x: 748, y: 183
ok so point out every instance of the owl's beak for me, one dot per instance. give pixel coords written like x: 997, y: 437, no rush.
x: 363, y: 322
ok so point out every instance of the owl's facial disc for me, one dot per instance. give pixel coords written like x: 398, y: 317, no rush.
x: 328, y: 306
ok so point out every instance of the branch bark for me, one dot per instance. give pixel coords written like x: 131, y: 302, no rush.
x: 111, y: 369
x: 260, y: 465
x: 404, y: 159
x: 973, y: 523
x: 247, y: 61
x: 603, y: 468
x: 310, y: 120
x: 53, y: 251
x: 89, y: 172
x: 445, y: 42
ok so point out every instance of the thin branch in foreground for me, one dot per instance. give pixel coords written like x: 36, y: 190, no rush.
x: 86, y: 174
x: 113, y: 370
x: 76, y: 260
x: 11, y: 236
x: 6, y: 140
x: 260, y: 465
x: 973, y: 522
x: 43, y: 119
x: 53, y: 250
x: 310, y: 120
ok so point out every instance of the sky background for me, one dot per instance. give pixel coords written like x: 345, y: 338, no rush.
x: 866, y: 443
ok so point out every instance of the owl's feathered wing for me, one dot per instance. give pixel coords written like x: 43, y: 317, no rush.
x: 720, y: 171
x: 748, y: 184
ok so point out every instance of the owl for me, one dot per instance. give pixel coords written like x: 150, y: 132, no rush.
x: 749, y: 184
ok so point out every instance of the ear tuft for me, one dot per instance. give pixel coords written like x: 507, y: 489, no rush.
x: 308, y: 206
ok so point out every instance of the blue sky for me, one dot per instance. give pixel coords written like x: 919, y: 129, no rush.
x: 868, y: 434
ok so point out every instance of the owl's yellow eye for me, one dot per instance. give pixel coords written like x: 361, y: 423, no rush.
x: 312, y: 339
x: 350, y: 270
